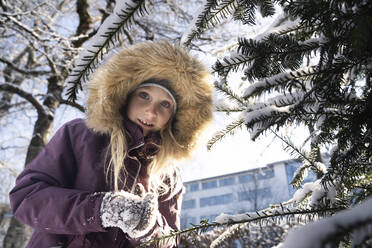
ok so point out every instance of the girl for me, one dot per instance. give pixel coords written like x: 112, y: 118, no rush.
x: 108, y: 181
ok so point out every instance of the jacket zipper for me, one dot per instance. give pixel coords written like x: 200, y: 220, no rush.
x: 139, y: 145
x: 139, y: 166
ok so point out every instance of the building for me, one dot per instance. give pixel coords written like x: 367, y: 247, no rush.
x: 239, y: 192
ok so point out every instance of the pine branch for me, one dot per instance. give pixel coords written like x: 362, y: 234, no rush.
x: 299, y: 175
x: 225, y: 89
x: 228, y: 109
x: 73, y: 104
x: 290, y: 145
x: 329, y: 231
x: 259, y: 127
x: 269, y: 113
x: 279, y: 79
x: 211, y: 15
x: 228, y: 130
x: 258, y: 216
x: 225, y: 235
x: 232, y: 64
x: 107, y: 35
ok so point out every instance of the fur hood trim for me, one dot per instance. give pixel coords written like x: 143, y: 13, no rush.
x: 124, y: 71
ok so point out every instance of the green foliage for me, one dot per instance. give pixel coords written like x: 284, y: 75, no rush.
x: 332, y: 96
x: 276, y: 214
x: 316, y: 72
x: 213, y: 13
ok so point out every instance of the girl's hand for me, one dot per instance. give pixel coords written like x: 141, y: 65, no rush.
x: 133, y: 214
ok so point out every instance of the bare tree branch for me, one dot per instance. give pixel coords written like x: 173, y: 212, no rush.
x: 24, y: 71
x: 29, y: 97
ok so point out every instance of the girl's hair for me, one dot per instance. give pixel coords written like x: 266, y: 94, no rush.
x: 161, y: 171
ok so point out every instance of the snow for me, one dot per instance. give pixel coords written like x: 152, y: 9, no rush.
x: 307, y: 188
x: 277, y: 79
x: 228, y: 218
x: 133, y: 214
x: 265, y: 112
x: 321, y: 167
x: 316, y: 234
x: 318, y: 40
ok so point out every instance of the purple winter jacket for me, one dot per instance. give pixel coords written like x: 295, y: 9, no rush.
x: 57, y: 192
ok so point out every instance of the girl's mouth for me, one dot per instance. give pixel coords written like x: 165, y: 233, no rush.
x: 146, y: 124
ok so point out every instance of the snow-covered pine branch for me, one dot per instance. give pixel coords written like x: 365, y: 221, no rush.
x: 227, y: 233
x: 210, y: 14
x: 227, y: 109
x: 258, y: 114
x: 252, y: 217
x: 329, y: 230
x: 279, y: 79
x: 108, y: 34
x: 265, y: 113
x: 224, y: 219
x: 300, y: 174
x: 258, y: 128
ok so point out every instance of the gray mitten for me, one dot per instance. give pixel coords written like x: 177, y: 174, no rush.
x: 133, y: 214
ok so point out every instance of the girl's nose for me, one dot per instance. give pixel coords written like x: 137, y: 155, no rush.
x: 151, y: 111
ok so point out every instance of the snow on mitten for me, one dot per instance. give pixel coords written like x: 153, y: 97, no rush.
x: 133, y: 214
x: 139, y: 190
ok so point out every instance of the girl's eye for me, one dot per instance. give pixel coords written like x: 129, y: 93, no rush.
x: 143, y: 95
x: 165, y: 104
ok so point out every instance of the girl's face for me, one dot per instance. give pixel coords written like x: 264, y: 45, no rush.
x: 150, y: 107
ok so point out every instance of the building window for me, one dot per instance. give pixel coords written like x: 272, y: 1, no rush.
x: 246, y: 195
x: 246, y: 178
x: 216, y: 200
x: 187, y: 204
x: 227, y: 181
x: 194, y: 187
x: 264, y: 193
x: 265, y: 173
x: 209, y: 184
x: 254, y: 194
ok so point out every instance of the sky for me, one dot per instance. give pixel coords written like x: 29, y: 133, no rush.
x: 232, y: 154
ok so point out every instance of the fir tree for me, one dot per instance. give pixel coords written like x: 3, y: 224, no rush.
x: 316, y: 65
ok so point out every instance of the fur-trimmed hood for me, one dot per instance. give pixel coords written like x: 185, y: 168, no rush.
x: 123, y: 72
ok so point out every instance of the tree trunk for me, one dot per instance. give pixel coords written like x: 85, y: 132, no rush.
x: 13, y: 78
x: 18, y: 234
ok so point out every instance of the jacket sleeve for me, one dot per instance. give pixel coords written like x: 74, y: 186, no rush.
x: 44, y: 198
x: 169, y: 218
